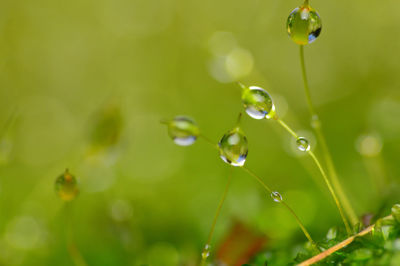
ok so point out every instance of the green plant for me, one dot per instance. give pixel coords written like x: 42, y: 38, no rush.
x: 341, y: 246
x: 67, y: 189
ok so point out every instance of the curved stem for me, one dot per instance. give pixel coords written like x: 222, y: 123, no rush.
x: 316, y: 124
x: 322, y: 171
x: 331, y: 190
x: 205, y: 252
x: 267, y: 188
x: 306, y: 233
x: 339, y: 246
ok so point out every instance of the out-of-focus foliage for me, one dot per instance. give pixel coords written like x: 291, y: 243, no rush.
x: 84, y: 85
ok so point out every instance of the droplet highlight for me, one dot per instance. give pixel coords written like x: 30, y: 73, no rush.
x: 66, y: 186
x: 183, y: 130
x: 303, y: 144
x: 396, y: 212
x: 206, y: 252
x: 304, y: 25
x: 258, y: 103
x: 276, y: 196
x: 233, y: 147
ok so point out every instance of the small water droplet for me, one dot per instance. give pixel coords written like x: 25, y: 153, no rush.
x: 304, y: 25
x: 332, y: 233
x: 66, y: 186
x: 258, y: 103
x: 233, y: 147
x: 276, y: 196
x: 206, y: 252
x: 302, y: 144
x: 183, y: 130
x: 396, y: 212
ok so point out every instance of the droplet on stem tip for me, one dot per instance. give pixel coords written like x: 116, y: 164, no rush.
x: 304, y: 25
x: 66, y: 186
x: 183, y: 130
x: 258, y: 103
x: 233, y: 147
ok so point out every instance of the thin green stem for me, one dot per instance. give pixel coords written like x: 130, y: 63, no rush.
x: 209, y: 141
x: 305, y: 81
x: 316, y: 124
x: 328, y: 183
x: 206, y: 250
x: 308, y: 236
x: 321, y: 169
x: 288, y: 129
x: 266, y: 187
x: 73, y: 251
x: 301, y: 225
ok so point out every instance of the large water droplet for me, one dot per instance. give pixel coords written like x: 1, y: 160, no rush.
x: 304, y: 25
x: 276, y: 196
x: 206, y: 252
x: 183, y: 130
x: 302, y: 144
x: 233, y: 147
x: 258, y: 103
x: 66, y: 186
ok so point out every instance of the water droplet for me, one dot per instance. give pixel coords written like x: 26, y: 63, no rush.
x: 332, y: 233
x: 66, y: 186
x: 183, y: 130
x: 276, y: 196
x: 302, y: 144
x: 304, y: 25
x: 396, y: 212
x: 206, y: 252
x: 258, y: 103
x: 233, y: 147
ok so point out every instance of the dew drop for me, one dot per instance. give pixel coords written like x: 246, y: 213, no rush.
x: 183, y: 130
x: 302, y: 144
x: 206, y: 252
x: 276, y: 196
x: 66, y: 186
x: 258, y: 103
x: 304, y: 25
x: 396, y: 212
x: 234, y: 147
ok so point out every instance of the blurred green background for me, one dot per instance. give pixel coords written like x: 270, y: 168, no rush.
x: 84, y: 84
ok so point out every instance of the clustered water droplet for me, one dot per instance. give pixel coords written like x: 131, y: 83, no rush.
x: 258, y: 103
x: 276, y: 196
x: 304, y: 25
x: 233, y: 147
x: 66, y: 186
x: 206, y: 252
x: 303, y: 144
x: 183, y: 130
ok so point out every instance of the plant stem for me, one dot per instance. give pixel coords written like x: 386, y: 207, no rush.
x: 339, y: 246
x: 316, y: 124
x: 266, y: 187
x: 204, y: 254
x: 73, y: 251
x: 308, y: 236
x: 322, y: 171
x: 328, y: 183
